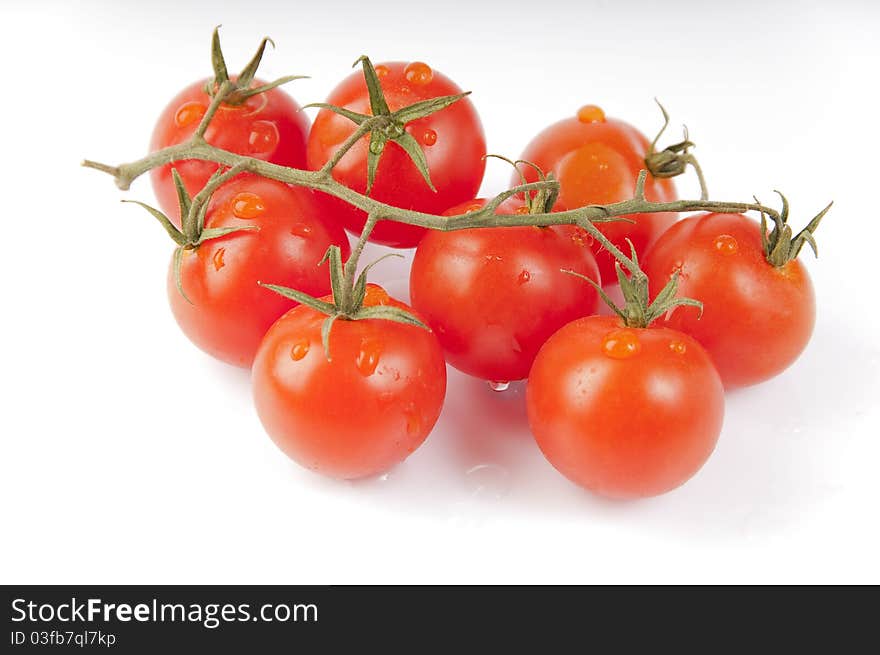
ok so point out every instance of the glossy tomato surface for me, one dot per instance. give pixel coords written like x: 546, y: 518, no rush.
x: 364, y: 410
x: 229, y: 312
x: 495, y: 295
x: 597, y: 161
x: 452, y: 140
x: 757, y: 318
x: 624, y: 412
x: 268, y: 126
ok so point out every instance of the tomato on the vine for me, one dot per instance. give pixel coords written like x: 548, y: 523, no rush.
x: 452, y: 141
x: 597, y: 161
x: 624, y: 412
x: 269, y: 125
x: 225, y: 312
x: 757, y: 318
x: 495, y: 295
x: 363, y: 410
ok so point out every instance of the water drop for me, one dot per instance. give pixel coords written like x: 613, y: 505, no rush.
x: 678, y: 347
x: 523, y: 277
x: 217, y: 259
x: 247, y: 205
x: 189, y: 113
x: 381, y: 70
x: 429, y: 137
x: 499, y: 385
x: 418, y: 73
x: 300, y: 230
x: 621, y: 344
x: 263, y: 138
x: 726, y: 244
x: 299, y: 349
x: 591, y: 114
x: 413, y: 422
x: 368, y: 357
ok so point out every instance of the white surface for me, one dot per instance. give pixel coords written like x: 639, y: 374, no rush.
x: 129, y: 456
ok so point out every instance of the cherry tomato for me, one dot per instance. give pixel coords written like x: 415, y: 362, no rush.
x: 452, y: 140
x: 597, y: 161
x: 268, y: 126
x: 494, y: 295
x: 364, y: 410
x: 228, y: 312
x: 624, y: 412
x: 757, y: 318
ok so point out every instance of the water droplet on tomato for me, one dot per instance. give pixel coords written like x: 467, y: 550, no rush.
x: 521, y: 210
x: 419, y: 73
x: 678, y: 347
x: 429, y: 137
x: 189, y: 113
x: 368, y: 357
x: 726, y: 244
x: 591, y: 114
x: 499, y: 385
x: 299, y: 349
x: 581, y: 237
x: 301, y: 230
x: 413, y: 422
x: 263, y: 138
x: 621, y: 344
x: 217, y: 259
x: 473, y: 207
x: 247, y: 205
x: 523, y: 277
x: 381, y: 70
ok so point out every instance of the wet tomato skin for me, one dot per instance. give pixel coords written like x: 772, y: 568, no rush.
x: 229, y: 312
x: 597, y: 161
x: 269, y: 126
x: 494, y: 295
x: 757, y: 318
x: 360, y: 413
x: 452, y: 140
x: 625, y: 413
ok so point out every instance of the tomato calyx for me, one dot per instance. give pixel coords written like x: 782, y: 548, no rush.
x: 385, y: 125
x: 237, y: 90
x: 780, y: 247
x: 348, y: 296
x: 193, y: 211
x: 674, y: 159
x: 639, y: 311
x: 542, y: 200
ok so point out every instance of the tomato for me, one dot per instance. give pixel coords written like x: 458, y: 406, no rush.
x: 227, y: 313
x: 452, y: 140
x: 268, y: 126
x: 757, y: 318
x: 494, y: 295
x: 360, y: 412
x: 597, y: 161
x: 624, y: 412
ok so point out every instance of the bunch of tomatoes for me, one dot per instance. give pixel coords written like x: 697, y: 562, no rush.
x: 349, y: 381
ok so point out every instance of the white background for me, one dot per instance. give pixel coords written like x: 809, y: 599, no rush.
x: 128, y: 456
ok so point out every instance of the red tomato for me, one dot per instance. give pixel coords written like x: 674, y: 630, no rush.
x: 494, y: 295
x: 230, y: 312
x: 452, y: 140
x: 364, y: 410
x: 597, y: 161
x: 624, y: 412
x: 268, y: 126
x: 757, y: 318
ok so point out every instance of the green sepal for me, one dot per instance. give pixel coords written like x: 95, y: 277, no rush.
x: 250, y: 70
x: 164, y: 221
x: 326, y: 326
x: 217, y: 232
x: 183, y: 199
x: 378, y: 105
x: 388, y: 313
x: 779, y: 244
x: 221, y: 75
x: 302, y: 298
x: 333, y: 255
x: 360, y: 286
x: 427, y: 107
x: 598, y: 287
x: 243, y: 94
x: 177, y: 260
x: 416, y: 154
x: 353, y: 116
x: 666, y: 300
x: 377, y: 147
